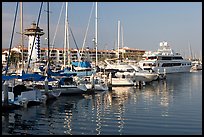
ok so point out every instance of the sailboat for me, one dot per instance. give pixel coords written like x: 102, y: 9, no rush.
x: 69, y: 84
x: 19, y: 95
x: 115, y: 65
x: 39, y: 82
x: 56, y: 83
x: 95, y: 81
x: 53, y: 92
x: 196, y: 63
x: 83, y: 67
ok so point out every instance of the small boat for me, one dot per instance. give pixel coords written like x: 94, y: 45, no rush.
x: 196, y: 65
x: 122, y: 82
x: 51, y: 92
x: 95, y: 83
x: 68, y: 85
x: 38, y: 82
x: 24, y: 97
x: 144, y: 75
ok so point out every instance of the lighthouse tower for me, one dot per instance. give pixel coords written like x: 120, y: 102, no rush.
x: 30, y: 32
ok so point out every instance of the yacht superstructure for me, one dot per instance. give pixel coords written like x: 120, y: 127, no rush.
x: 165, y: 60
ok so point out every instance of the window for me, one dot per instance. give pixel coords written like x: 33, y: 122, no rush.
x: 177, y: 58
x: 170, y: 64
x: 153, y: 57
x: 166, y: 58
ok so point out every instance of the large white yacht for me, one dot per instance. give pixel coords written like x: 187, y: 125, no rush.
x: 132, y: 72
x: 165, y: 60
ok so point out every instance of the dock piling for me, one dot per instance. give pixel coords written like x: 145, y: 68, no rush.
x: 110, y: 82
x: 5, y: 89
x: 46, y: 85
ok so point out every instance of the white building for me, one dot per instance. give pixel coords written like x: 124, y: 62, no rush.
x: 34, y: 32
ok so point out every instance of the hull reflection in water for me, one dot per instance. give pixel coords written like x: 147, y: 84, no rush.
x: 171, y: 106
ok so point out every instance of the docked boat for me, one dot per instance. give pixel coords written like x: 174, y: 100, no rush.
x: 131, y: 72
x: 122, y: 82
x: 22, y: 96
x: 144, y: 75
x: 69, y: 85
x: 48, y: 87
x: 165, y: 60
x: 95, y: 83
x: 196, y: 65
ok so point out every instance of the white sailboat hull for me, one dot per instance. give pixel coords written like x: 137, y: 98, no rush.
x: 122, y: 82
x: 25, y: 97
x: 51, y: 94
x: 73, y: 89
x: 97, y: 87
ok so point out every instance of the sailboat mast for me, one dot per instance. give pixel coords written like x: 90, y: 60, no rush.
x: 190, y: 50
x: 122, y: 41
x: 96, y: 34
x: 22, y: 40
x: 68, y: 45
x: 65, y: 36
x: 118, y: 39
x: 48, y: 35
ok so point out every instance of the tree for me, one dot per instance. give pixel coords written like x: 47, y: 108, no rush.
x: 15, y: 57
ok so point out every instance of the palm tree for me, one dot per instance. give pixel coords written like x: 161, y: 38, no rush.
x: 15, y: 57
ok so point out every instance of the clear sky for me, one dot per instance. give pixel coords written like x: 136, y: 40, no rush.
x: 145, y: 24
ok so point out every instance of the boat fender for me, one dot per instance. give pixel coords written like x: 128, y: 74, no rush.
x: 44, y: 99
x: 24, y: 102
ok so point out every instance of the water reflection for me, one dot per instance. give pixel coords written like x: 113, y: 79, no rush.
x: 21, y: 121
x: 93, y: 114
x: 120, y: 96
x: 71, y: 106
x: 164, y: 106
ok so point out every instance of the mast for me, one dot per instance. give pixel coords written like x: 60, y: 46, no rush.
x: 48, y: 35
x: 118, y: 38
x: 65, y: 36
x: 14, y: 24
x: 122, y: 41
x: 96, y: 34
x: 190, y: 50
x: 22, y: 40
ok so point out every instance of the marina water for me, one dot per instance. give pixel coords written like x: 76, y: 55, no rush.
x: 167, y: 107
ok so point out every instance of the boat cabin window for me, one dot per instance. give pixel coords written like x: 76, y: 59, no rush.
x: 152, y: 57
x: 130, y: 70
x: 153, y: 64
x: 177, y: 58
x: 166, y: 58
x: 149, y: 64
x: 170, y: 64
x: 147, y: 69
x: 121, y: 71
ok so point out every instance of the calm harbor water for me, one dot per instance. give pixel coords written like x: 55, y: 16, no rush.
x: 169, y: 107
